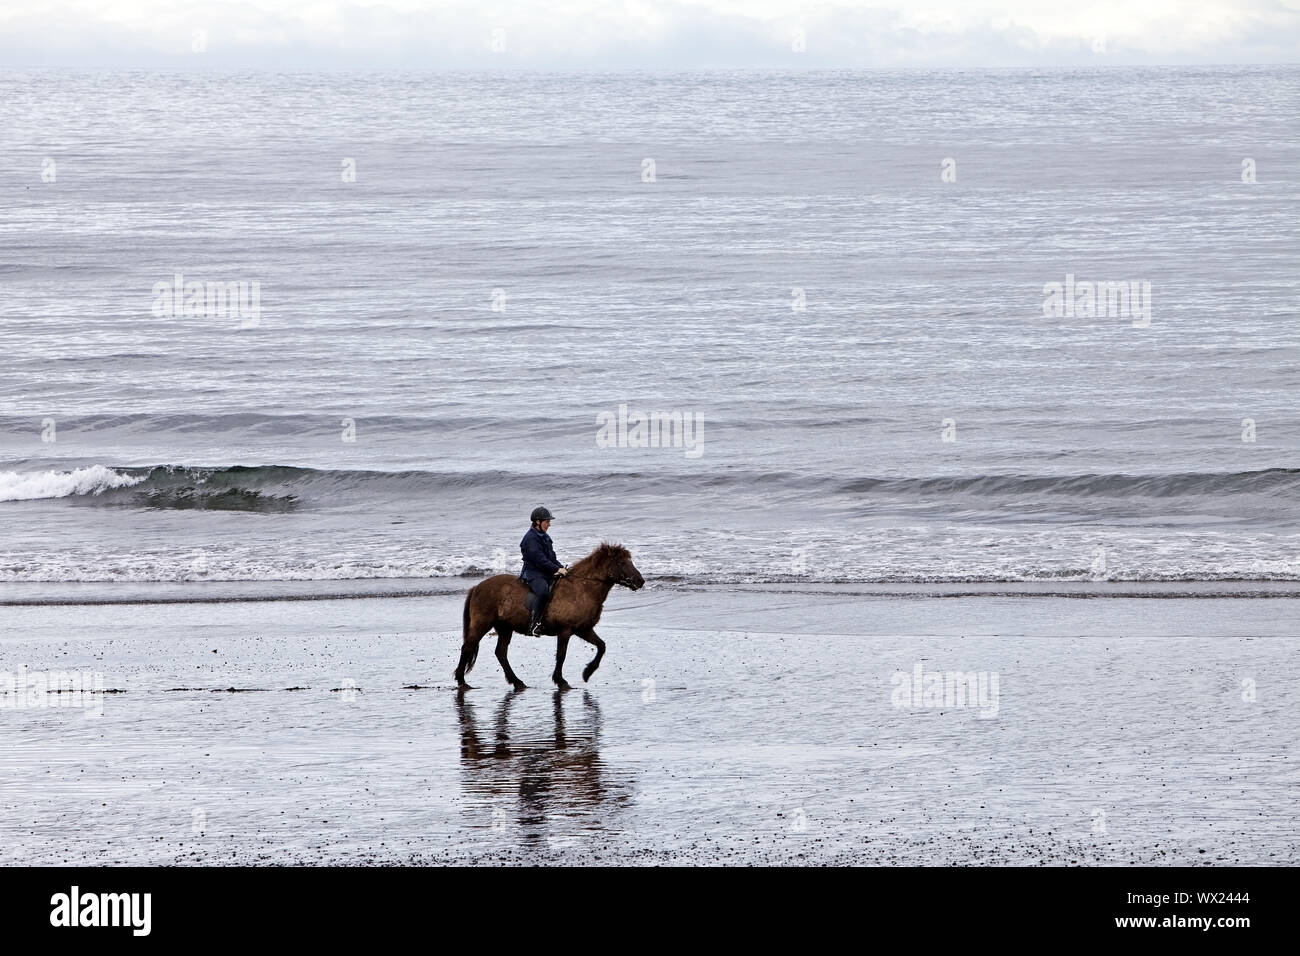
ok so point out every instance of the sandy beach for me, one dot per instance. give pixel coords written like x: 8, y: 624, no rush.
x: 726, y: 725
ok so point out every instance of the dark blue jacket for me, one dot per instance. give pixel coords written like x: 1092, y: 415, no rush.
x: 539, y: 555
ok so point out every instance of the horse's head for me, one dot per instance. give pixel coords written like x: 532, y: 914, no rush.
x: 616, y: 567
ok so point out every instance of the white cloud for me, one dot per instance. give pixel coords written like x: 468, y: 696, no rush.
x: 613, y: 34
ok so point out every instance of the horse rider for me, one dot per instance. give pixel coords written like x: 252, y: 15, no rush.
x: 541, y: 567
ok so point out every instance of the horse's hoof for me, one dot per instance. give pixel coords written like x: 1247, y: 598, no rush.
x: 463, y: 686
x: 563, y: 684
x: 520, y: 685
x: 586, y: 674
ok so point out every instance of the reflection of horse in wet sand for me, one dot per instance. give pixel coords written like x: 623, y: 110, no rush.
x: 552, y: 772
x: 576, y: 603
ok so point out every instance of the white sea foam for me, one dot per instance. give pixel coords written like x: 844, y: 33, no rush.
x: 17, y: 486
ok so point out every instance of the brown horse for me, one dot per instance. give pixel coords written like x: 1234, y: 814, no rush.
x: 575, y: 607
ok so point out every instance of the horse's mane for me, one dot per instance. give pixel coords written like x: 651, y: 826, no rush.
x: 601, y: 559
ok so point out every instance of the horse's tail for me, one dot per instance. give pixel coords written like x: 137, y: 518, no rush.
x: 464, y: 635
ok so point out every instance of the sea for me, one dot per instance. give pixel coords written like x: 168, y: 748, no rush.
x: 759, y: 327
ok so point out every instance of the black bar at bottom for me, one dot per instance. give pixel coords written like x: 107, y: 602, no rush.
x: 335, y: 905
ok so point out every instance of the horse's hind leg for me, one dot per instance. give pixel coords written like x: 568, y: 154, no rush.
x: 561, y: 645
x: 468, y: 654
x: 591, y: 637
x: 503, y: 645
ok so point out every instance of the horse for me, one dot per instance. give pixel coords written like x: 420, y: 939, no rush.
x: 576, y: 602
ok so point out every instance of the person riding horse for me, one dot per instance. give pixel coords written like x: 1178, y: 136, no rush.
x: 541, y: 567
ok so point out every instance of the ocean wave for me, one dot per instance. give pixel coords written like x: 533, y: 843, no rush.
x: 93, y: 480
x: 1267, y: 481
x: 202, y: 567
x: 285, y: 487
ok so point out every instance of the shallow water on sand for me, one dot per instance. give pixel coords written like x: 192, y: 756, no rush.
x: 331, y: 731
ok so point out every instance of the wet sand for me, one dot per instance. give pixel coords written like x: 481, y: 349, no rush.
x: 725, y: 726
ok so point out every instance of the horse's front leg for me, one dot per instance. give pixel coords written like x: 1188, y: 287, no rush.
x: 561, y: 645
x: 503, y: 645
x: 591, y: 637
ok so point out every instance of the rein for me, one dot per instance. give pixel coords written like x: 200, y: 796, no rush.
x: 583, y: 577
x: 580, y: 577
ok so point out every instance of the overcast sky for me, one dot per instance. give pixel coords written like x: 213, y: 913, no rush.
x: 641, y: 34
